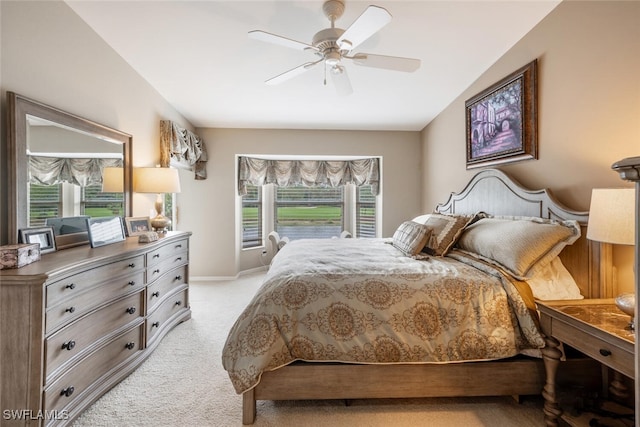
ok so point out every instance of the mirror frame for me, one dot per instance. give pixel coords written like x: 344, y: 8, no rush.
x: 19, y: 107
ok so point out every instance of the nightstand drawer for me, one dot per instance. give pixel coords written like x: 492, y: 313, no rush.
x: 595, y: 347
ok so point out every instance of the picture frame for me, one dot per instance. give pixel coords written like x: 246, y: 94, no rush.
x: 502, y: 122
x: 69, y: 231
x: 42, y: 235
x: 136, y: 226
x: 105, y: 230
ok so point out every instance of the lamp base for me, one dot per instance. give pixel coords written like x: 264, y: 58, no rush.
x: 160, y: 223
x: 627, y: 304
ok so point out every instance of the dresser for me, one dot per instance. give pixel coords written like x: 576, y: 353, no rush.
x: 78, y: 321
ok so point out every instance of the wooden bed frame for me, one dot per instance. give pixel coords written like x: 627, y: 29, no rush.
x: 491, y: 191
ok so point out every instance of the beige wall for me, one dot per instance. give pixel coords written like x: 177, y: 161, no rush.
x: 49, y: 54
x: 209, y: 207
x: 588, y: 109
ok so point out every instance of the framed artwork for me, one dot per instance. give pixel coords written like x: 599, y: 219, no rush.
x: 42, y: 235
x: 502, y: 120
x: 137, y: 225
x: 105, y: 230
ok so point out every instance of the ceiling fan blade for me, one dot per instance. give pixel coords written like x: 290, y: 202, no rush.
x: 395, y: 63
x: 282, y: 41
x: 341, y: 80
x: 291, y: 73
x: 366, y: 25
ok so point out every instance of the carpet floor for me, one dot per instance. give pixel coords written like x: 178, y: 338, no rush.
x: 183, y: 383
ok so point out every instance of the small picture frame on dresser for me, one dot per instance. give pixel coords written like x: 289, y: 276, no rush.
x: 41, y: 235
x: 135, y: 226
x: 105, y: 230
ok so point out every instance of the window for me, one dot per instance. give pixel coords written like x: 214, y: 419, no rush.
x: 95, y: 203
x: 365, y: 212
x: 252, y: 217
x: 45, y: 202
x: 309, y: 212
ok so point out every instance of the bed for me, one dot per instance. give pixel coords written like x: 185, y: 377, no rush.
x: 331, y: 322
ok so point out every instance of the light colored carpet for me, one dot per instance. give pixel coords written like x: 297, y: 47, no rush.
x: 183, y: 383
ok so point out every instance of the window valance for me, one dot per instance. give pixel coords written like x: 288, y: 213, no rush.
x: 332, y: 173
x: 183, y: 147
x: 56, y: 170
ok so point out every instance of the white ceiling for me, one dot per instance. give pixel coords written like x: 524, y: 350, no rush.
x: 197, y: 55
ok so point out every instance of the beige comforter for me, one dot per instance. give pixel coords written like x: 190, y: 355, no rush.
x: 362, y: 301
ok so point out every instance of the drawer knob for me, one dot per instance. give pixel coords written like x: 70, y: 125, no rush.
x: 131, y: 310
x: 69, y: 345
x: 178, y: 246
x: 155, y: 324
x: 71, y: 286
x: 179, y: 277
x: 132, y: 282
x: 67, y: 391
x: 178, y: 303
x: 156, y: 256
x: 130, y: 345
x: 156, y: 271
x: 155, y: 294
x: 179, y: 258
x: 132, y: 265
x: 605, y: 352
x: 70, y: 310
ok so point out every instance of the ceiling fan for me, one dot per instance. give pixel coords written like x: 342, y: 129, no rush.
x: 333, y: 45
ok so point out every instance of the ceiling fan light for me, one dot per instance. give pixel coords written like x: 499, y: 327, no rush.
x: 333, y: 58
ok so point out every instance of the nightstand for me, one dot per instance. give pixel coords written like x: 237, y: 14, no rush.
x: 595, y: 327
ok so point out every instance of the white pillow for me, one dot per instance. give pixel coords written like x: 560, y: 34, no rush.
x: 553, y: 282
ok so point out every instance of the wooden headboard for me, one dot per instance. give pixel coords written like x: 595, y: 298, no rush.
x: 494, y: 192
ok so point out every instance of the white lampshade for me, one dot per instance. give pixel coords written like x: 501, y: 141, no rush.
x: 112, y: 180
x: 156, y: 180
x: 611, y: 216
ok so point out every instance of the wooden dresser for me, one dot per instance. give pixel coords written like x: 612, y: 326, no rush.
x: 78, y: 321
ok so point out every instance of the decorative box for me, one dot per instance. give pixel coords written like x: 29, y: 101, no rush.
x: 16, y: 256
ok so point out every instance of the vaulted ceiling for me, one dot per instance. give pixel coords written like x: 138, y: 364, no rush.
x: 198, y: 56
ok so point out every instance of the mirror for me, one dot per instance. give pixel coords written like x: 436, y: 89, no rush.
x: 37, y: 132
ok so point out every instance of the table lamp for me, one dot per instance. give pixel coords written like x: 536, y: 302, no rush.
x: 112, y: 180
x: 159, y: 181
x: 611, y: 221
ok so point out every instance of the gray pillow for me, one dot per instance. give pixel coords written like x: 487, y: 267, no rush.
x: 410, y: 237
x: 517, y: 244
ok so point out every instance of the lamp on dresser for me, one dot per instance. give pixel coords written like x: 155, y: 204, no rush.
x: 112, y: 180
x: 611, y: 222
x: 159, y: 181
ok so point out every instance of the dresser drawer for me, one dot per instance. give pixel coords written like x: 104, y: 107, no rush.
x: 79, y: 337
x: 82, y: 282
x: 169, y: 263
x: 609, y: 354
x: 170, y: 307
x: 160, y: 288
x: 163, y: 253
x: 79, y: 379
x: 76, y: 306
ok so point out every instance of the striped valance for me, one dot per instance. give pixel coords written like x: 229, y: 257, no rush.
x: 181, y: 147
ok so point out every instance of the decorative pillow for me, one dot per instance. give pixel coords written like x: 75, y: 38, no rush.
x: 553, y: 282
x: 446, y: 230
x: 518, y: 243
x: 411, y: 237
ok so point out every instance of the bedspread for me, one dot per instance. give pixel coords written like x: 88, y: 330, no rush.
x: 363, y: 301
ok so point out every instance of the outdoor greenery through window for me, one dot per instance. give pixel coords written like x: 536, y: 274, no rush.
x: 309, y: 212
x: 46, y: 202
x: 365, y: 212
x: 252, y: 217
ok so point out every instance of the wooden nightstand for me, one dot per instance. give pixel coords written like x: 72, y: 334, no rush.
x: 595, y: 327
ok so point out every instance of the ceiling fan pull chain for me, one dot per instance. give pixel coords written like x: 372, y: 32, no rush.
x: 325, y: 74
